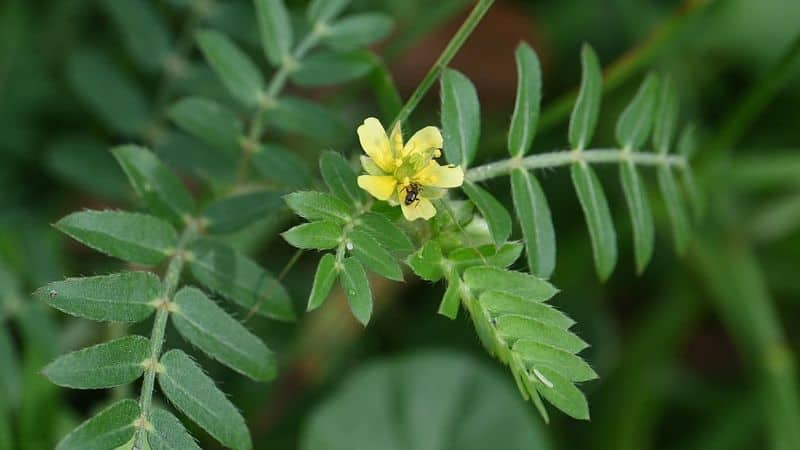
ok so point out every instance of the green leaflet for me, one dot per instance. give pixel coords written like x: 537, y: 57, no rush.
x: 374, y: 257
x: 113, y: 96
x: 641, y: 216
x: 238, y: 278
x: 598, y: 218
x: 497, y: 303
x: 584, y: 116
x: 356, y: 287
x: 503, y: 256
x: 635, y: 122
x: 159, y: 187
x: 666, y: 117
x: 516, y: 327
x: 293, y: 114
x: 358, y: 31
x: 281, y: 166
x: 121, y: 297
x: 312, y: 205
x: 208, y: 121
x: 451, y: 301
x: 203, y: 323
x: 492, y: 210
x: 229, y: 214
x: 536, y: 223
x: 101, y: 366
x: 275, y: 29
x: 385, y: 231
x: 144, y: 33
x: 687, y: 142
x: 427, y: 262
x: 483, y: 278
x: 461, y: 118
x: 325, y: 10
x: 133, y: 237
x: 340, y: 178
x: 526, y: 107
x: 327, y: 68
x: 323, y: 281
x: 314, y: 235
x: 676, y: 209
x: 232, y: 66
x: 561, y: 393
x: 569, y: 366
x: 110, y: 428
x: 168, y: 433
x: 194, y: 393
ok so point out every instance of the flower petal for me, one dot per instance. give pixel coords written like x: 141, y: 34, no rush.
x: 370, y: 167
x: 376, y: 144
x: 380, y: 187
x: 424, y: 139
x: 441, y: 176
x: 422, y: 208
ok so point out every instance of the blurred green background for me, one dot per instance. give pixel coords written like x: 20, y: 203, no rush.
x: 697, y: 353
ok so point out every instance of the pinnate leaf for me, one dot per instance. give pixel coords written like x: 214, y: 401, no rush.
x: 194, y: 393
x: 374, y: 257
x: 492, y: 210
x: 122, y: 297
x: 168, y: 432
x: 208, y: 121
x: 313, y: 205
x: 275, y: 29
x: 327, y: 68
x: 239, y: 278
x: 584, y: 116
x: 356, y: 287
x: 110, y: 428
x: 529, y: 95
x: 133, y: 237
x: 340, y: 178
x: 323, y: 281
x: 641, y: 216
x: 238, y: 73
x: 203, y: 323
x: 533, y: 211
x: 229, y: 214
x: 598, y: 218
x: 358, y: 31
x: 461, y: 118
x: 314, y: 235
x: 427, y: 262
x: 482, y: 278
x: 635, y: 122
x: 101, y: 366
x: 159, y: 187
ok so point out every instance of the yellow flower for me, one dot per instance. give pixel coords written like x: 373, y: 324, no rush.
x: 405, y: 174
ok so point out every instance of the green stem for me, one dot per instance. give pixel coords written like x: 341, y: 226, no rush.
x: 444, y: 59
x: 567, y: 157
x: 276, y: 84
x: 629, y: 64
x: 170, y: 285
x: 741, y: 118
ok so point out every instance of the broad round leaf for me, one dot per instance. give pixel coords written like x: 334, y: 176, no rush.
x: 420, y: 402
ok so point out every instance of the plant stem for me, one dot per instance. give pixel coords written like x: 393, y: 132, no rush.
x: 276, y: 84
x: 629, y: 64
x: 170, y: 284
x: 444, y: 59
x: 566, y: 157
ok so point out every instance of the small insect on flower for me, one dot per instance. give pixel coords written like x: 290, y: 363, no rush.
x: 405, y: 174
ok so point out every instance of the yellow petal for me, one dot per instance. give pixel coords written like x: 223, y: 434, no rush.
x: 441, y: 176
x: 380, y: 187
x: 376, y: 144
x: 420, y: 209
x: 370, y: 167
x: 424, y: 139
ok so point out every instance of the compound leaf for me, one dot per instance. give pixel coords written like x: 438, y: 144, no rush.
x: 238, y: 73
x: 356, y: 287
x: 110, y: 428
x: 584, y: 116
x: 598, y: 218
x: 461, y: 118
x: 536, y: 223
x: 101, y: 366
x: 526, y: 108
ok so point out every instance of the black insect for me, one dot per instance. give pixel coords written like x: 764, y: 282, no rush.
x: 412, y: 193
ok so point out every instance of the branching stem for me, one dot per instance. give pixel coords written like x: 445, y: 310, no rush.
x: 566, y: 157
x: 444, y: 59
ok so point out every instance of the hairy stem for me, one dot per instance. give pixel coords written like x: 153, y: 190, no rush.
x: 567, y: 157
x: 170, y: 285
x: 444, y: 59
